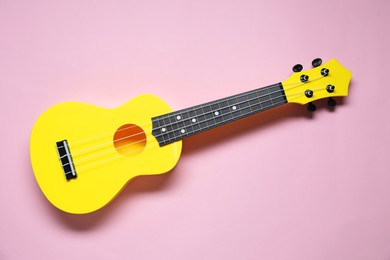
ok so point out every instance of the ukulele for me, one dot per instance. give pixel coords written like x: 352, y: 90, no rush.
x: 83, y: 155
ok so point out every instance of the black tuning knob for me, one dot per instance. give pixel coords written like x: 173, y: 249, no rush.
x: 311, y: 107
x: 297, y: 68
x: 316, y: 62
x: 330, y: 88
x: 325, y: 72
x: 304, y: 78
x: 309, y: 93
x: 331, y: 102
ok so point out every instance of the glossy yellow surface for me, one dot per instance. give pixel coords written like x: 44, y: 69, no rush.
x: 102, y: 170
x: 338, y: 76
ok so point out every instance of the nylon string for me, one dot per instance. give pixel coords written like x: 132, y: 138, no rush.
x: 115, y: 156
x: 147, y: 131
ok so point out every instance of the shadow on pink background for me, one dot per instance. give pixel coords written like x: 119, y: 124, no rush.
x: 285, y: 184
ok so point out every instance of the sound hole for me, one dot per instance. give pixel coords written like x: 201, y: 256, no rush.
x: 129, y: 140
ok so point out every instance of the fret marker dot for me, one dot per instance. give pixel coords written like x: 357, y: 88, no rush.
x: 163, y: 129
x: 193, y: 120
x: 178, y: 117
x: 182, y: 131
x: 216, y: 113
x: 234, y: 107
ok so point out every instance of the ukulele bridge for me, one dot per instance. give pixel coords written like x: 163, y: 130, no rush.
x: 66, y: 159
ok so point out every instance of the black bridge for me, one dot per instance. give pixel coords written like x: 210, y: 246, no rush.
x: 66, y: 159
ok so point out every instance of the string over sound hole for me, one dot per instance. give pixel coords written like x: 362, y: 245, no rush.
x: 129, y: 140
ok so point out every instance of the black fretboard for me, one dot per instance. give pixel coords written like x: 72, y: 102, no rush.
x: 171, y: 127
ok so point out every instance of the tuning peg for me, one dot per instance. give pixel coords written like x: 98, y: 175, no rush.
x: 316, y: 62
x: 309, y: 93
x: 304, y: 78
x: 330, y: 88
x: 297, y: 68
x: 331, y: 102
x: 325, y: 72
x: 311, y: 107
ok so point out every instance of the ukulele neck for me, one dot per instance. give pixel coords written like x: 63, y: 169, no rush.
x: 174, y: 126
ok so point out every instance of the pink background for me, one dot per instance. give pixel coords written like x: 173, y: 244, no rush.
x: 281, y: 185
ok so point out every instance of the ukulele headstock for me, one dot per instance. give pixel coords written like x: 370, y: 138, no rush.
x: 324, y: 81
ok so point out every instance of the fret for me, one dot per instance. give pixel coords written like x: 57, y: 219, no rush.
x: 157, y: 130
x: 275, y: 95
x: 208, y: 113
x: 224, y: 108
x: 217, y: 112
x: 258, y: 95
x: 194, y: 120
x: 235, y: 107
x: 254, y: 102
x: 244, y: 104
x: 181, y: 129
x: 214, y: 106
x: 202, y: 118
x: 168, y: 128
x: 177, y: 125
x: 264, y: 98
x: 269, y: 95
x: 187, y: 121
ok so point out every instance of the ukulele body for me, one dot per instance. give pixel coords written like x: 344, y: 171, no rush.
x: 108, y: 148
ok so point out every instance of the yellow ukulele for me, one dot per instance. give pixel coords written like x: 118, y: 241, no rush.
x: 83, y: 155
